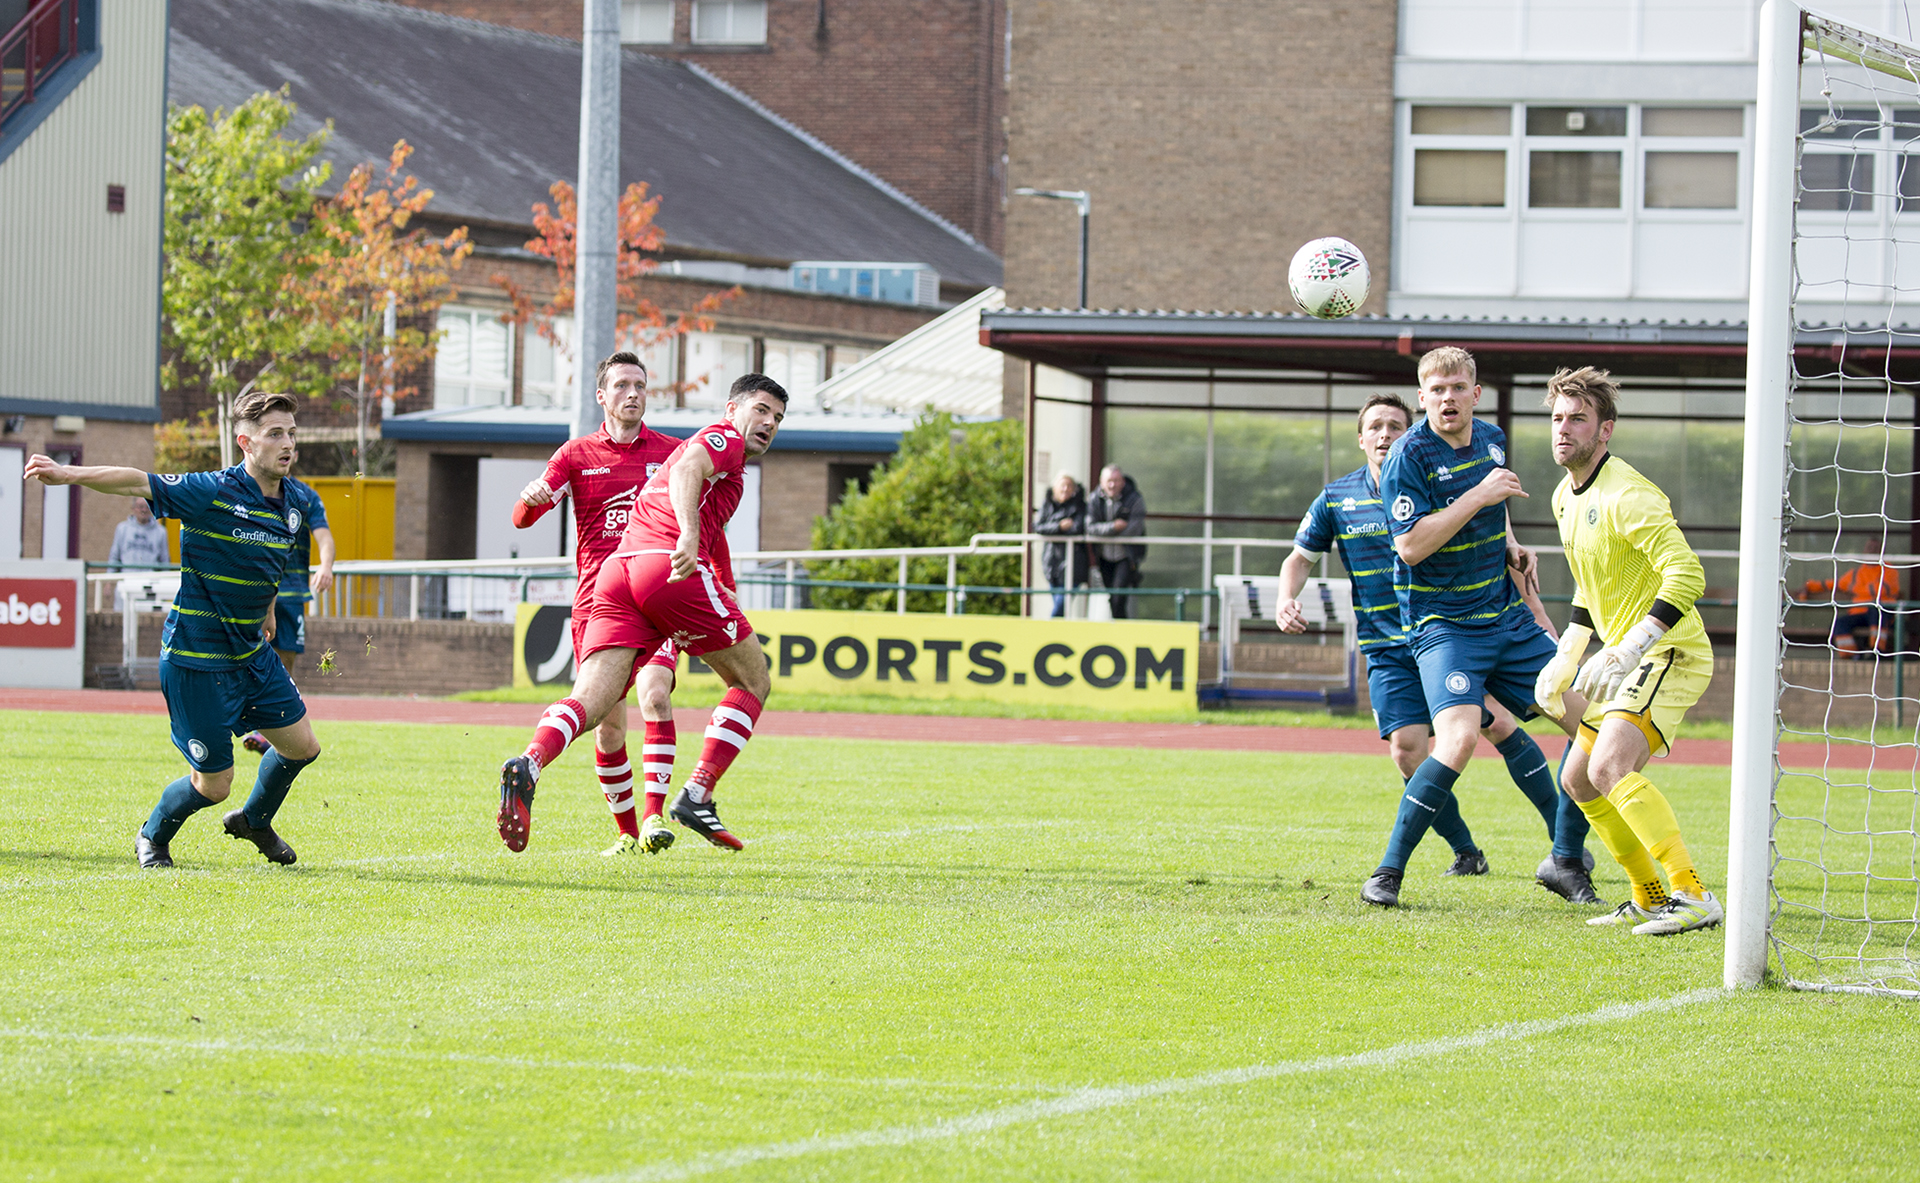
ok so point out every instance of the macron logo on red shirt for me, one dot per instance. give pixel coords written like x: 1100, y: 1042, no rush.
x: 36, y: 614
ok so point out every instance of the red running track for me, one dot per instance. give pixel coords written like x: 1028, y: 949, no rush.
x: 334, y: 708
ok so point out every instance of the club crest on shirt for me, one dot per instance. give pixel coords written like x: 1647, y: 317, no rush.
x: 293, y: 520
x: 1402, y: 508
x: 1498, y: 453
x: 1593, y: 515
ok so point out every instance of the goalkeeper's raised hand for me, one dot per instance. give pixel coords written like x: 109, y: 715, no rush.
x: 1600, y: 678
x: 1558, y: 673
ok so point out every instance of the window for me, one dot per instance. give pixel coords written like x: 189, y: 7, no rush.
x: 546, y: 369
x: 646, y: 22
x: 1836, y: 181
x: 845, y: 357
x: 473, y: 366
x: 1576, y: 121
x: 797, y: 367
x: 659, y: 357
x: 1573, y: 180
x: 1692, y: 121
x: 1693, y: 180
x: 730, y: 22
x: 1462, y: 121
x: 714, y: 360
x: 1446, y: 177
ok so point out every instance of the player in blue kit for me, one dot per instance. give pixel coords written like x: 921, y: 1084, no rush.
x: 218, y: 672
x: 1350, y: 515
x: 1473, y: 630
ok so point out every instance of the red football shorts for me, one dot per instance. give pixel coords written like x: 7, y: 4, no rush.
x: 634, y: 607
x: 666, y: 656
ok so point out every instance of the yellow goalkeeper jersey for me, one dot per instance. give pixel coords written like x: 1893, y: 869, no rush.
x: 1626, y: 551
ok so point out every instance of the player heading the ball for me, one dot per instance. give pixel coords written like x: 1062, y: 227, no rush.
x: 1635, y: 583
x: 660, y: 585
x: 218, y: 670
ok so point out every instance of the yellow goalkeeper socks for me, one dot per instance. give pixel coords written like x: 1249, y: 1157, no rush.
x: 1624, y: 845
x: 1647, y: 811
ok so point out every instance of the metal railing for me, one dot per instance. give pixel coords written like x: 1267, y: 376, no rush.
x: 41, y: 42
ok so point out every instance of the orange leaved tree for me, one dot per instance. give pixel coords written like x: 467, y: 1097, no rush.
x: 641, y: 323
x: 372, y: 280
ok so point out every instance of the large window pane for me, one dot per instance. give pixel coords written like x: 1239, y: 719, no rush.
x: 1576, y: 121
x: 1573, y: 180
x: 1445, y: 177
x: 730, y: 22
x: 1836, y: 181
x: 1692, y: 121
x: 1693, y: 180
x: 646, y: 22
x: 1462, y: 121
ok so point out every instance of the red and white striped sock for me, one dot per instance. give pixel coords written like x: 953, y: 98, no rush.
x: 731, y: 728
x: 616, y: 782
x: 556, y: 729
x: 656, y: 761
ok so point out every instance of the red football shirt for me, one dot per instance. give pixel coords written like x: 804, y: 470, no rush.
x: 654, y: 528
x: 604, y: 479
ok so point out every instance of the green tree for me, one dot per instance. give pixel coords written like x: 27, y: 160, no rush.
x: 238, y: 198
x: 949, y: 481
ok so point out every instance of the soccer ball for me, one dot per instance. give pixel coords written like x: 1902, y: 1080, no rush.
x: 1328, y: 278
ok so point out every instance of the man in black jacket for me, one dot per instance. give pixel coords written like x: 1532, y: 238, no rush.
x: 1064, y: 514
x: 1116, y: 510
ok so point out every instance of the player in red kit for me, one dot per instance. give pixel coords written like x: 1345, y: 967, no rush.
x: 661, y: 586
x: 603, y: 473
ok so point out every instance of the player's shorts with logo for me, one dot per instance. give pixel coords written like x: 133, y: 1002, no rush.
x: 666, y: 656
x: 1655, y: 697
x: 209, y: 707
x: 1394, y: 688
x: 1462, y: 665
x: 634, y: 607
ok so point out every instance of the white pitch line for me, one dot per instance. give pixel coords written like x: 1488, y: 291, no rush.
x: 1088, y: 1100
x: 237, y: 1047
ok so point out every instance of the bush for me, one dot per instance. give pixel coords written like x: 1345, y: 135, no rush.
x: 949, y: 481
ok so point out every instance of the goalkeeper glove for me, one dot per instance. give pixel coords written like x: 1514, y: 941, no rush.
x: 1558, y: 673
x: 1600, y: 678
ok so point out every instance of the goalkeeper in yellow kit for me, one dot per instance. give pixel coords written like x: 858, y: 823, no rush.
x: 1635, y: 583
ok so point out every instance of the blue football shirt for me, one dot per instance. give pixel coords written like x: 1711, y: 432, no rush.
x: 1350, y: 515
x: 1465, y: 582
x: 234, y: 547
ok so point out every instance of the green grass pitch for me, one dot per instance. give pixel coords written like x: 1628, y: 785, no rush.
x: 933, y: 961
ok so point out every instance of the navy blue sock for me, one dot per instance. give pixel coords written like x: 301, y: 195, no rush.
x: 1528, y: 767
x: 1428, y: 792
x: 178, y: 802
x: 1451, y: 826
x: 276, y: 777
x: 1570, y: 824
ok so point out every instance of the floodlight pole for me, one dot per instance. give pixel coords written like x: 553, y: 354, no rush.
x: 1084, y: 201
x: 597, y: 206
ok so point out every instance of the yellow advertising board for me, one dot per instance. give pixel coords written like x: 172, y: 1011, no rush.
x: 924, y: 655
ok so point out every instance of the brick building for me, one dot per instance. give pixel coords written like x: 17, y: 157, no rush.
x: 914, y: 92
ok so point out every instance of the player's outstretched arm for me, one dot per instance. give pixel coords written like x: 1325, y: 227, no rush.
x: 1435, y: 530
x: 322, y: 581
x: 689, y: 473
x: 101, y: 478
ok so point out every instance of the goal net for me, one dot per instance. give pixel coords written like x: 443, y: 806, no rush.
x: 1824, y: 874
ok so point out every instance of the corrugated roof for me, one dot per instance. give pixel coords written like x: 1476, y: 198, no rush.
x: 940, y: 366
x: 494, y: 113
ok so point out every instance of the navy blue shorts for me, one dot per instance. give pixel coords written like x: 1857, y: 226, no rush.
x: 1394, y: 688
x: 1464, y: 665
x: 290, y: 626
x: 209, y: 707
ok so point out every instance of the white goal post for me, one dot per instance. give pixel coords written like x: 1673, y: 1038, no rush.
x: 1823, y: 866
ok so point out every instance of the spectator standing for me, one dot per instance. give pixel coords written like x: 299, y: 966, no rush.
x: 1117, y: 510
x: 140, y: 540
x: 1063, y: 514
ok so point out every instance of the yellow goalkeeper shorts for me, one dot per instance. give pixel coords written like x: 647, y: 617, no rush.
x: 1656, y: 696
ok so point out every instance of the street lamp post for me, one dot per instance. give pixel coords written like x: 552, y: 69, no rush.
x: 1084, y: 201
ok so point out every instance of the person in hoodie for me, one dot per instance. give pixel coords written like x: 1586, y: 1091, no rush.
x: 1116, y: 510
x: 1063, y: 514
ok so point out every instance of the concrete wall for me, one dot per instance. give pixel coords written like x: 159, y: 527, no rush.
x: 1215, y: 138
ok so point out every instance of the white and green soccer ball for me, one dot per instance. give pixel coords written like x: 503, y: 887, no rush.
x: 1328, y: 278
